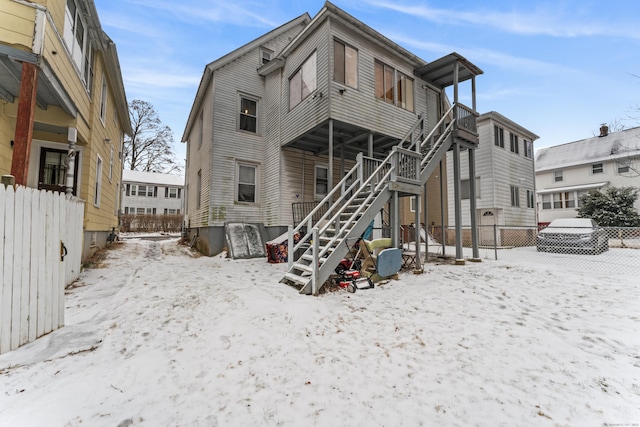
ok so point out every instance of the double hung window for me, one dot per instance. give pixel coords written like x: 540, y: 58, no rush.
x: 393, y: 86
x: 303, y: 82
x: 345, y: 64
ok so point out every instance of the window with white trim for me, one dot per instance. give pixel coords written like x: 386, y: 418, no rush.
x: 98, y: 189
x: 265, y: 55
x: 345, y: 64
x: 558, y: 176
x: 144, y: 190
x: 303, y: 82
x: 248, y: 120
x: 199, y: 189
x: 172, y: 193
x: 321, y: 181
x: 103, y: 100
x: 579, y: 195
x: 393, y: 86
x: 111, y: 164
x: 247, y: 186
x: 528, y: 149
x: 563, y: 199
x: 623, y: 168
x: 498, y: 136
x: 597, y: 168
x: 531, y: 199
x: 514, y: 143
x: 465, y: 188
x: 515, y: 196
x: 412, y: 203
x: 76, y: 39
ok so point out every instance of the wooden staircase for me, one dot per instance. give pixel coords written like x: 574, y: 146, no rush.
x: 351, y: 208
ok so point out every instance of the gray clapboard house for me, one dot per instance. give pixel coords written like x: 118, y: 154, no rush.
x: 327, y: 114
x: 505, y: 176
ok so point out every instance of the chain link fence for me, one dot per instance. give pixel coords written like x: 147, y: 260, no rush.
x: 607, y: 249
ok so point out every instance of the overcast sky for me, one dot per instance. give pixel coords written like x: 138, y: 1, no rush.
x: 559, y: 68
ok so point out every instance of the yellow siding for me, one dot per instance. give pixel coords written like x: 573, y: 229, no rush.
x: 6, y: 124
x: 16, y: 28
x: 17, y: 23
x: 102, y: 217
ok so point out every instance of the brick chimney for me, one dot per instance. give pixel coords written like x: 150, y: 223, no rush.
x: 604, y: 130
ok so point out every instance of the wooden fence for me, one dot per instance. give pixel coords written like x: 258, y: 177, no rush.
x: 40, y: 253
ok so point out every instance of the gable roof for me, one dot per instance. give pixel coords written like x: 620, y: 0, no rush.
x: 500, y: 119
x: 616, y: 145
x: 331, y: 10
x: 230, y: 57
x: 152, y: 178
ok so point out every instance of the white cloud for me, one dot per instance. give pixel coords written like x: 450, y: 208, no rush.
x: 551, y: 20
x: 152, y: 80
x: 246, y: 14
x: 486, y: 56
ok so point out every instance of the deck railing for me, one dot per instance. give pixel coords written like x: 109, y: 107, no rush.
x: 466, y: 118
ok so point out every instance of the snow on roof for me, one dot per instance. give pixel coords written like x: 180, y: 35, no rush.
x: 152, y: 178
x: 613, y: 146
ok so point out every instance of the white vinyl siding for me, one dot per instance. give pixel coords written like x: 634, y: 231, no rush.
x: 498, y: 170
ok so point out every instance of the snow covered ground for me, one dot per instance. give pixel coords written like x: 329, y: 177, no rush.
x: 158, y: 337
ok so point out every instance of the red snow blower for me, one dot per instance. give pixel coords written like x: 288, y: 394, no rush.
x: 349, y: 276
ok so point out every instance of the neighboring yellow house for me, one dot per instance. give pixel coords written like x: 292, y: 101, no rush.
x: 63, y: 108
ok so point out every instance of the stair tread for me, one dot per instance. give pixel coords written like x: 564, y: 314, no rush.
x: 303, y: 280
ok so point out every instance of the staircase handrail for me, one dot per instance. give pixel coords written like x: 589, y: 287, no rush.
x: 436, y: 127
x: 336, y: 217
x: 427, y: 157
x: 413, y: 128
x: 308, y: 220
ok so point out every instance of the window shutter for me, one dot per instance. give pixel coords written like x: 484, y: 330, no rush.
x: 179, y: 191
x: 166, y: 192
x: 154, y: 211
x: 128, y: 189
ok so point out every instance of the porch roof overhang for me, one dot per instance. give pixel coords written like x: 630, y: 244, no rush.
x: 50, y: 89
x: 573, y: 188
x: 348, y: 138
x: 440, y: 72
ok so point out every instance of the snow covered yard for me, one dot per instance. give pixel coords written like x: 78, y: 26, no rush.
x: 160, y: 338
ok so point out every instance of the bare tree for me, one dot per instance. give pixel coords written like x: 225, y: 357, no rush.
x: 150, y: 147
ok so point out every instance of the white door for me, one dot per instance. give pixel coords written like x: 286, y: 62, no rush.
x: 487, y: 222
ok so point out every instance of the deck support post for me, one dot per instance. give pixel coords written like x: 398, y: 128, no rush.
x: 24, y: 123
x: 472, y: 204
x: 457, y: 202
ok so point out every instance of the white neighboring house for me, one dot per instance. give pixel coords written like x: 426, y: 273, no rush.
x: 505, y: 175
x: 152, y: 193
x: 566, y: 172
